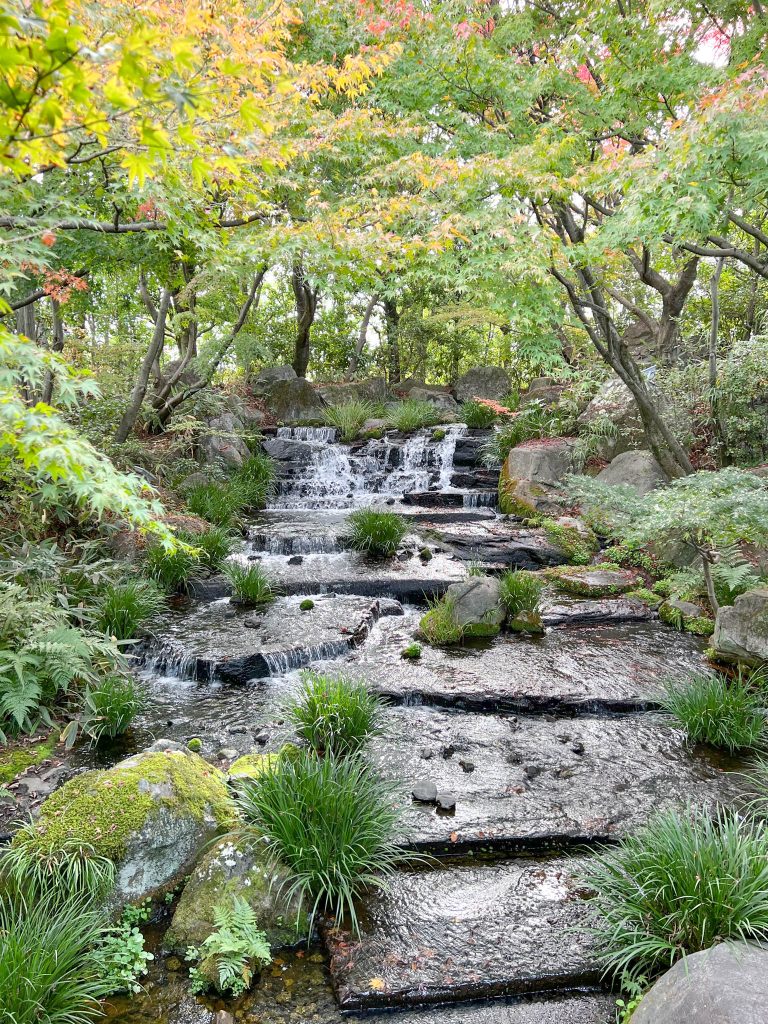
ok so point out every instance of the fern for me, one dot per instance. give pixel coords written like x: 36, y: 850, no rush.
x: 236, y: 948
x: 733, y: 575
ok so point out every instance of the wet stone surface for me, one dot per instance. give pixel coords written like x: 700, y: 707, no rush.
x: 580, y: 669
x: 466, y: 932
x: 527, y: 782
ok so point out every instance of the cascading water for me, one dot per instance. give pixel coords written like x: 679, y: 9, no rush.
x: 326, y: 434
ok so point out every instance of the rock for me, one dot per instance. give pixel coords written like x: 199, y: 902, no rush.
x: 445, y: 802
x: 151, y: 815
x: 228, y: 754
x: 376, y: 424
x: 614, y: 402
x: 483, y: 382
x: 527, y: 622
x: 233, y: 867
x: 373, y: 389
x: 592, y: 581
x: 425, y: 792
x: 639, y: 470
x: 198, y: 479
x: 295, y: 560
x: 284, y: 449
x: 726, y: 984
x: 224, y: 444
x: 476, y: 605
x: 532, y: 771
x: 686, y: 615
x: 426, y: 753
x: 269, y: 376
x: 741, y: 629
x: 467, y: 766
x: 223, y: 1017
x: 544, y: 390
x: 445, y: 403
x: 294, y: 401
x: 389, y: 606
x: 251, y: 766
x: 544, y: 461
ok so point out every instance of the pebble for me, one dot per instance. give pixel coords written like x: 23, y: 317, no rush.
x: 448, y: 752
x: 445, y: 802
x: 467, y: 766
x: 578, y: 747
x: 531, y: 771
x: 426, y: 752
x: 252, y: 623
x: 237, y: 730
x: 261, y: 737
x: 295, y: 560
x: 425, y: 792
x: 228, y: 754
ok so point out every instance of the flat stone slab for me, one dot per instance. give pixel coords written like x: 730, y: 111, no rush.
x: 499, y: 544
x: 536, y: 783
x: 592, y: 581
x: 238, y: 644
x: 467, y: 932
x: 583, y: 669
x: 559, y: 1009
x: 558, y: 610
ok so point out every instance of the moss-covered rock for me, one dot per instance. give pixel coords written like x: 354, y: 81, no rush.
x: 151, y: 815
x: 26, y: 754
x: 252, y: 766
x: 686, y: 616
x: 592, y: 581
x: 236, y: 866
x: 527, y: 621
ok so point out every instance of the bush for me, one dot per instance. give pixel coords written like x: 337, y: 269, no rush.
x: 413, y: 414
x: 332, y: 821
x: 533, y: 421
x: 412, y: 652
x: 476, y: 415
x: 254, y: 483
x: 219, y: 504
x: 349, y: 417
x: 122, y: 607
x: 685, y: 881
x: 50, y: 970
x: 726, y: 713
x: 110, y: 706
x: 438, y: 626
x: 174, y: 571
x: 214, y: 546
x: 250, y: 584
x: 333, y: 714
x: 376, y: 533
x: 520, y: 591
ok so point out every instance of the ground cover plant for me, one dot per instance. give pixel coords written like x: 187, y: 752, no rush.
x: 439, y: 627
x: 378, y: 534
x: 413, y: 414
x: 229, y: 957
x: 335, y: 715
x: 477, y: 415
x: 724, y: 712
x: 250, y: 584
x: 175, y: 571
x: 124, y: 606
x: 349, y: 417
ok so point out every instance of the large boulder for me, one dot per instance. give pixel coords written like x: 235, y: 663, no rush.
x: 614, y: 402
x: 151, y: 815
x: 235, y: 867
x: 741, y: 630
x: 373, y: 389
x: 476, y: 605
x: 726, y: 984
x: 288, y: 449
x: 269, y: 376
x: 443, y: 402
x: 531, y: 474
x: 544, y: 390
x: 295, y: 401
x: 483, y: 382
x: 223, y: 443
x: 639, y: 470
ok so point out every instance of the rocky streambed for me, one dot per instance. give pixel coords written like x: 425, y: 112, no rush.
x: 512, y: 758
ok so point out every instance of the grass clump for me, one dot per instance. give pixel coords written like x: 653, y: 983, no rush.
x: 214, y: 545
x: 250, y: 584
x: 253, y: 484
x: 332, y: 821
x: 439, y: 627
x: 349, y: 417
x: 124, y: 605
x: 413, y: 414
x: 173, y: 571
x: 376, y: 533
x: 219, y: 504
x: 520, y: 591
x: 334, y: 714
x: 412, y: 652
x: 477, y: 415
x: 110, y: 706
x: 687, y: 880
x: 725, y: 713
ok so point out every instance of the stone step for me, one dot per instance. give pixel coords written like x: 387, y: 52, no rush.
x: 449, y: 499
x: 467, y: 932
x: 533, y: 784
x: 576, y: 1008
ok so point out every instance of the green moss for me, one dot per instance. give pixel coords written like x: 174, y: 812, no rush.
x: 568, y: 578
x: 481, y: 629
x: 195, y: 745
x: 509, y: 503
x: 438, y: 627
x: 21, y: 757
x: 577, y: 549
x: 411, y: 652
x: 644, y: 594
x: 375, y: 434
x: 439, y: 434
x: 106, y: 808
x: 251, y: 766
x: 307, y: 604
x: 699, y: 625
x: 425, y: 555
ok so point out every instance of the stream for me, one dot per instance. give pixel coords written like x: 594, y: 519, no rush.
x: 549, y: 745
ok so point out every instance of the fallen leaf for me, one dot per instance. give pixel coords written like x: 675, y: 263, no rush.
x: 377, y: 984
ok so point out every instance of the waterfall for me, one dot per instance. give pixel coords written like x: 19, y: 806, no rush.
x: 480, y: 499
x: 327, y: 434
x: 445, y: 452
x: 275, y: 544
x: 281, y: 662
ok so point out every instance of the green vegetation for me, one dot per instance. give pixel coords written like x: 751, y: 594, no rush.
x: 123, y: 958
x: 174, y: 571
x: 124, y: 606
x: 335, y: 715
x: 195, y: 744
x: 685, y: 881
x: 413, y: 414
x: 72, y: 866
x: 232, y: 952
x: 725, y: 713
x: 26, y: 754
x: 439, y: 627
x: 412, y: 652
x: 349, y: 417
x: 253, y: 484
x: 533, y: 421
x: 250, y: 584
x: 332, y: 822
x: 378, y: 534
x: 213, y: 546
x: 477, y: 415
x: 307, y: 604
x: 219, y: 504
x: 520, y: 591
x: 110, y: 706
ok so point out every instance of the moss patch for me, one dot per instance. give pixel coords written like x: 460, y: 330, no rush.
x: 19, y: 757
x: 106, y: 808
x: 577, y: 549
x: 251, y: 766
x: 592, y: 581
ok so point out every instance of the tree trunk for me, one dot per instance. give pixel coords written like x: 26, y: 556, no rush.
x: 306, y: 308
x: 717, y: 423
x: 392, y: 318
x: 128, y: 421
x: 362, y: 337
x: 706, y: 566
x: 57, y: 345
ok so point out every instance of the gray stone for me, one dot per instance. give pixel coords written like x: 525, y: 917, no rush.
x: 223, y: 1017
x: 741, y: 630
x: 228, y: 754
x: 639, y: 470
x: 271, y: 375
x: 544, y: 390
x: 477, y: 605
x: 726, y: 984
x: 425, y: 792
x: 527, y: 622
x: 285, y: 449
x: 446, y: 801
x: 445, y: 403
x: 614, y: 402
x: 483, y: 382
x: 373, y: 389
x: 224, y: 443
x: 592, y: 581
x: 542, y: 462
x: 294, y: 401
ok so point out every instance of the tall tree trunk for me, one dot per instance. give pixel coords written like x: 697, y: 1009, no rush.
x: 362, y: 336
x: 392, y: 318
x: 714, y: 327
x: 57, y: 345
x: 306, y: 308
x: 128, y: 421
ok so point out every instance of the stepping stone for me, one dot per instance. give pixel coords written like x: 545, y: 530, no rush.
x: 570, y: 1009
x: 592, y: 581
x: 467, y: 932
x: 539, y: 783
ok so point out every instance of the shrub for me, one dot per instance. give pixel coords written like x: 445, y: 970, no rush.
x: 533, y: 421
x: 214, y: 546
x: 110, y: 706
x: 413, y: 414
x: 520, y: 591
x: 332, y: 821
x: 216, y: 503
x: 334, y: 714
x: 250, y: 584
x: 685, y: 881
x: 725, y: 713
x: 412, y: 652
x: 476, y: 415
x: 50, y: 971
x: 122, y: 607
x: 376, y: 533
x: 349, y: 417
x: 232, y: 952
x: 254, y: 483
x: 438, y: 626
x: 174, y: 571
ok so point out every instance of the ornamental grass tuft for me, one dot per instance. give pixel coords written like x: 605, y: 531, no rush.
x: 334, y: 714
x: 725, y: 713
x: 376, y: 533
